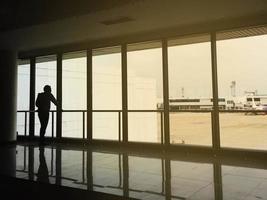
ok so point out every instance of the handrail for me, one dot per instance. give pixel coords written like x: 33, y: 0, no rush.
x: 83, y: 119
x: 243, y: 111
x: 160, y: 110
x: 31, y: 111
x: 119, y: 112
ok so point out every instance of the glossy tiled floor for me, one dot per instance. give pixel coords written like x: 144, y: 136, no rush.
x: 141, y: 176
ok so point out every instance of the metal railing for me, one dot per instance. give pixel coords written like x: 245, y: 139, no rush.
x: 119, y: 117
x: 83, y: 112
x: 26, y: 114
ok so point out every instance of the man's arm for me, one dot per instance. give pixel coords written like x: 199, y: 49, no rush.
x: 53, y: 99
x: 37, y: 102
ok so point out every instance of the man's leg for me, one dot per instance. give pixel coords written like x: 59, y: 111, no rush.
x: 44, y: 117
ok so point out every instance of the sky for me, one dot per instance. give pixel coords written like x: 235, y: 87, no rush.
x: 242, y: 60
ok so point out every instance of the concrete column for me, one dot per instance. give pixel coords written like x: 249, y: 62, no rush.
x: 8, y: 160
x: 8, y: 98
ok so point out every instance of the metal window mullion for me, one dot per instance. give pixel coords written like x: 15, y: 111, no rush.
x: 215, y: 113
x: 25, y: 123
x: 83, y: 126
x: 59, y: 96
x: 32, y: 96
x: 165, y: 91
x: 89, y: 95
x: 124, y: 93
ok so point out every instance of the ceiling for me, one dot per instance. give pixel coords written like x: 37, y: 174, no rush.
x: 46, y: 23
x: 18, y: 14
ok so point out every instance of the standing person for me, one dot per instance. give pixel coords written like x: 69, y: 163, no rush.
x: 43, y: 103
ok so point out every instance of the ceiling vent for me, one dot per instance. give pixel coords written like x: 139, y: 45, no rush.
x: 118, y: 20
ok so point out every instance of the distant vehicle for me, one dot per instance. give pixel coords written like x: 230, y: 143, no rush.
x: 259, y: 107
x: 262, y: 107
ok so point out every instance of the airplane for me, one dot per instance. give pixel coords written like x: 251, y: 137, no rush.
x: 260, y: 107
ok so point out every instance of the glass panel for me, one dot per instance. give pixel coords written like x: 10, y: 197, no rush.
x: 243, y: 131
x: 190, y: 128
x: 72, y: 124
x: 107, y: 173
x: 145, y: 126
x: 144, y: 70
x: 107, y: 92
x: 244, y: 183
x: 46, y: 74
x: 145, y: 90
x: 21, y: 123
x: 191, y: 180
x: 190, y: 88
x: 242, y: 76
x: 106, y: 125
x: 23, y: 99
x: 74, y: 93
x: 145, y: 178
x: 107, y: 79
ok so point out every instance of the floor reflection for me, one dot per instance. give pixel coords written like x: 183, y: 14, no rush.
x: 246, y: 182
x: 42, y: 173
x: 140, y: 176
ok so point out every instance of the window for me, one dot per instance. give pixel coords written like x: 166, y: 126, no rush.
x: 74, y: 94
x: 46, y: 74
x: 23, y: 98
x: 107, y: 95
x: 189, y: 64
x: 242, y: 60
x: 145, y: 91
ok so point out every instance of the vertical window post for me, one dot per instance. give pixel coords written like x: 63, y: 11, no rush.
x: 215, y: 113
x: 124, y: 93
x: 165, y: 91
x: 59, y: 95
x: 89, y: 95
x: 32, y: 96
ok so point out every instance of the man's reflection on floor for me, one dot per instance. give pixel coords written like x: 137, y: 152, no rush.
x: 42, y: 174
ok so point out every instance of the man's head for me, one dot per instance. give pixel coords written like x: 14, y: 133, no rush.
x: 47, y: 89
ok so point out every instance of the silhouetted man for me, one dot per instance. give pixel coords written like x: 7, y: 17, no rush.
x: 42, y: 174
x: 43, y: 102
